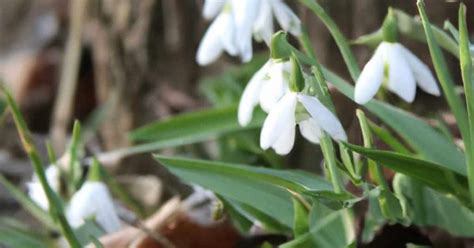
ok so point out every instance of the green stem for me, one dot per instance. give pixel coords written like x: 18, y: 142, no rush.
x: 330, y: 158
x: 325, y: 141
x: 55, y: 205
x: 341, y: 41
x: 374, y: 168
x: 444, y: 76
x: 466, y: 72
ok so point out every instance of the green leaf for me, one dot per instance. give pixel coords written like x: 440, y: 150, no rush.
x: 435, y: 209
x: 301, y: 217
x: 240, y: 218
x: 15, y: 234
x: 374, y: 220
x: 270, y: 223
x: 431, y: 174
x: 327, y: 230
x: 27, y: 203
x: 445, y: 79
x: 467, y: 77
x: 195, y: 126
x: 264, y: 189
x: 411, y: 27
x: 87, y: 232
x: 388, y: 138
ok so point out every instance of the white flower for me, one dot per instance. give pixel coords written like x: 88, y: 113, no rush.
x: 232, y: 30
x: 93, y: 200
x: 278, y: 131
x: 266, y: 87
x: 219, y: 37
x: 35, y: 190
x: 263, y: 27
x: 400, y: 69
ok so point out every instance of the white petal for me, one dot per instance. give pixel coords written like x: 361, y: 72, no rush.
x: 286, y: 18
x: 275, y: 86
x: 245, y: 14
x: 323, y: 116
x: 285, y: 142
x: 251, y: 94
x: 310, y: 129
x: 280, y: 118
x: 370, y: 78
x: 219, y: 36
x: 35, y: 189
x: 422, y: 73
x: 228, y: 33
x: 263, y: 27
x: 400, y: 77
x: 212, y: 8
x: 93, y: 200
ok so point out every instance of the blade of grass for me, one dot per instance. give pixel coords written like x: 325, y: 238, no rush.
x: 56, y: 208
x: 466, y: 72
x: 27, y: 203
x: 444, y: 76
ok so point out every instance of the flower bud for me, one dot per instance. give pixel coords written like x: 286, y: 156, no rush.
x: 279, y: 47
x: 296, y: 76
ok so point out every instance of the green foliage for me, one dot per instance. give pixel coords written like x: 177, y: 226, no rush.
x: 427, y: 207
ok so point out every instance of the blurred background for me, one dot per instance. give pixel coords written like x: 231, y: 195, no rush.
x: 132, y: 62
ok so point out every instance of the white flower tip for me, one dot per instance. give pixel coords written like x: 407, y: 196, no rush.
x: 265, y: 142
x: 244, y: 118
x: 202, y: 59
x: 361, y: 98
x: 434, y: 90
x: 341, y: 136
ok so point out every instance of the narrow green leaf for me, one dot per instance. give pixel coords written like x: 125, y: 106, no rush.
x: 326, y: 230
x: 467, y: 77
x: 87, y: 232
x: 195, y: 126
x: 444, y: 76
x: 301, y: 218
x: 388, y: 138
x: 431, y: 174
x: 240, y: 218
x: 262, y: 188
x: 444, y: 211
x: 15, y: 234
x: 28, y: 204
x: 55, y: 205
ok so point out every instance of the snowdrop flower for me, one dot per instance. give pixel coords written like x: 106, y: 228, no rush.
x: 219, y: 37
x: 263, y: 27
x: 278, y: 131
x: 35, y: 189
x: 400, y: 69
x: 236, y: 21
x: 266, y: 87
x: 93, y: 200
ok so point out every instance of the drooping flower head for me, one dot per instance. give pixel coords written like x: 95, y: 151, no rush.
x: 395, y: 67
x: 236, y: 21
x: 279, y: 87
x: 93, y: 200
